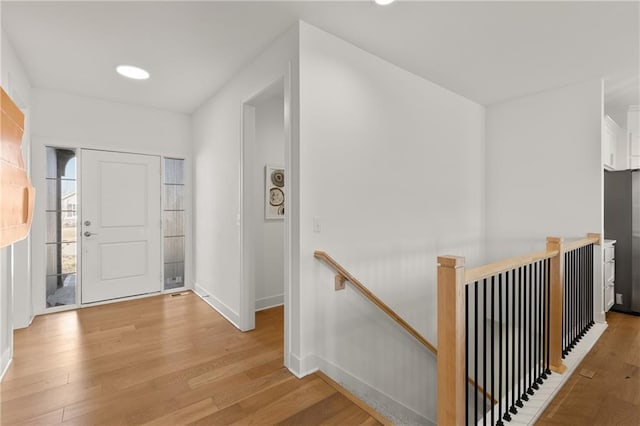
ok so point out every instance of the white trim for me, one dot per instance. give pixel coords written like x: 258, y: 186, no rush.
x: 6, y: 362
x: 269, y: 302
x: 393, y: 410
x: 302, y: 367
x: 228, y: 313
x: 19, y: 326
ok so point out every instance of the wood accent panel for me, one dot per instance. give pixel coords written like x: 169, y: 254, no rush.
x: 555, y: 304
x: 17, y: 195
x: 451, y: 340
x: 611, y: 396
x: 372, y: 297
x: 166, y: 361
x: 486, y: 271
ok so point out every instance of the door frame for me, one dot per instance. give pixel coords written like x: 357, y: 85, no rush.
x: 38, y: 270
x: 247, y: 287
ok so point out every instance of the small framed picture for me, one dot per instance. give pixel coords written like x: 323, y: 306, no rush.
x: 275, y: 192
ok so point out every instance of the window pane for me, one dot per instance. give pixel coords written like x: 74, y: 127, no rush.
x: 173, y: 171
x: 70, y: 167
x: 169, y: 170
x: 61, y: 290
x: 174, y: 223
x: 52, y: 227
x: 68, y: 226
x: 174, y: 249
x: 53, y: 262
x: 52, y: 168
x: 52, y: 194
x: 173, y: 197
x: 68, y: 258
x: 173, y: 275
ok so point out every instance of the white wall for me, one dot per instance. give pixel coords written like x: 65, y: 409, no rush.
x: 217, y: 149
x: 69, y: 121
x: 392, y: 167
x: 268, y: 241
x: 545, y: 174
x: 15, y: 285
x: 544, y: 167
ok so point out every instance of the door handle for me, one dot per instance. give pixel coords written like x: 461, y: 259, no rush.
x: 88, y: 234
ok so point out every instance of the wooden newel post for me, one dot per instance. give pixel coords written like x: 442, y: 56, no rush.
x: 555, y: 305
x: 451, y: 338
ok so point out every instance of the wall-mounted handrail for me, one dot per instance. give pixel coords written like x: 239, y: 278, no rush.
x: 344, y: 276
x: 374, y: 299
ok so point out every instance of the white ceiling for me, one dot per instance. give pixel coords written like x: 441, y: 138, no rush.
x: 485, y: 51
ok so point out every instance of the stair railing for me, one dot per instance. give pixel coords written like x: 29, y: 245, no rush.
x: 507, y: 326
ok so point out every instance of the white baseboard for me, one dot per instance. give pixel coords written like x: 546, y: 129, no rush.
x: 269, y: 302
x: 393, y: 410
x: 24, y: 325
x: 228, y: 313
x: 5, y: 362
x: 301, y: 367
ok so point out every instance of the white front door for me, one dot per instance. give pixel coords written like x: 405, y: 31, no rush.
x: 121, y: 225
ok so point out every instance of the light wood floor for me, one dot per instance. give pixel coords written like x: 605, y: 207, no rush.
x: 162, y: 360
x: 612, y: 396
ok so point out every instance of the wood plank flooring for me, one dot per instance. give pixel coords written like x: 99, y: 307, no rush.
x: 162, y: 361
x: 612, y: 395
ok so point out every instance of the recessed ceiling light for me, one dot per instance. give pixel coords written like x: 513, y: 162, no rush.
x: 130, y: 71
x: 383, y: 2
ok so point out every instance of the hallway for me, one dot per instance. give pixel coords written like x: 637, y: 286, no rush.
x: 162, y: 360
x: 612, y: 395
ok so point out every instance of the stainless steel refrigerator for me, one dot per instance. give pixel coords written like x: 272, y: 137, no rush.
x: 622, y: 223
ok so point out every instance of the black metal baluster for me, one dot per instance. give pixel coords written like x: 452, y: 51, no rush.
x: 524, y: 395
x: 506, y: 415
x: 535, y: 306
x: 540, y: 335
x: 545, y: 308
x: 493, y: 344
x: 564, y: 304
x: 530, y: 355
x: 520, y: 341
x: 576, y: 299
x: 583, y: 286
x: 484, y: 352
x: 591, y: 285
x: 513, y: 344
x: 548, y: 370
x: 499, y: 422
x: 475, y: 355
x: 466, y: 350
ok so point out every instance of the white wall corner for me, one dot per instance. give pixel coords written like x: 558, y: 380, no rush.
x: 393, y: 410
x: 228, y: 313
x: 302, y: 366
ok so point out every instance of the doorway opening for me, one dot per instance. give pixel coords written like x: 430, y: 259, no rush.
x: 264, y: 202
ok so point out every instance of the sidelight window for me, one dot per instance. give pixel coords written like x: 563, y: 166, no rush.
x: 173, y: 223
x: 61, y: 221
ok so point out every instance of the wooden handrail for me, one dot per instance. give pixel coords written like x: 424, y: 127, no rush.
x: 486, y: 271
x: 591, y: 239
x: 344, y: 275
x: 374, y: 299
